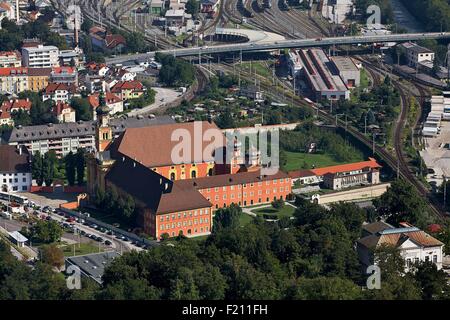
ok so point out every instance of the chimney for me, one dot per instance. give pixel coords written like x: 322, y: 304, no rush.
x: 19, y: 147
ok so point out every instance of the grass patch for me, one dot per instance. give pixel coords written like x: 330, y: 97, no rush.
x: 261, y: 68
x: 286, y: 211
x: 299, y: 160
x: 81, y: 249
x: 245, y: 219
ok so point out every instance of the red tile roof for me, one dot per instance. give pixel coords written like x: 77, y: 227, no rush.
x: 53, y: 87
x: 301, y: 174
x: 59, y: 107
x: 24, y: 104
x: 110, y: 98
x: 4, y: 72
x: 127, y: 85
x: 63, y: 70
x: 371, y: 163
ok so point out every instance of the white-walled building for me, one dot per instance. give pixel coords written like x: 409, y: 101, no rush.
x: 10, y: 59
x: 15, y: 169
x: 40, y: 56
x: 416, y: 54
x: 413, y: 244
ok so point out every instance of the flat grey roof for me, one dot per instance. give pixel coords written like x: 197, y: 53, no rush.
x: 344, y: 64
x: 82, y: 128
x: 93, y: 265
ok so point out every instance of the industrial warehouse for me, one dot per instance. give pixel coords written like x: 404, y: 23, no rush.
x: 327, y: 78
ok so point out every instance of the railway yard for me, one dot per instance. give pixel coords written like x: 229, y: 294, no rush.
x: 292, y: 24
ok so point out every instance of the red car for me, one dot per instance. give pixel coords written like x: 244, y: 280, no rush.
x: 71, y: 220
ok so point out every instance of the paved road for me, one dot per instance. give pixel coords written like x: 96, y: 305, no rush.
x: 163, y: 96
x: 285, y: 44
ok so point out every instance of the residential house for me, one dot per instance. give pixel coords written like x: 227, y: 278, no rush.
x: 59, y: 92
x: 10, y: 59
x: 103, y: 39
x: 15, y: 169
x: 113, y: 102
x: 413, y: 244
x: 38, y: 78
x: 13, y: 80
x: 128, y: 89
x: 64, y: 112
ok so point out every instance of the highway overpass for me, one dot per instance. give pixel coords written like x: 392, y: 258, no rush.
x: 285, y: 44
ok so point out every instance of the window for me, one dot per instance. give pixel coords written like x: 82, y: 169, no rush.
x: 172, y: 176
x: 435, y: 259
x: 427, y: 258
x: 224, y: 197
x: 161, y: 219
x: 216, y: 189
x: 194, y: 174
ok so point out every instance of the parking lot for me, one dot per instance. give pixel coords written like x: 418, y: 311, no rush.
x: 437, y: 154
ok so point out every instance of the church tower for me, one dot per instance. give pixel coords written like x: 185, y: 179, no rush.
x: 104, y: 134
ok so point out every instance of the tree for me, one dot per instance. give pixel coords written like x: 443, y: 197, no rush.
x: 225, y: 120
x: 36, y: 168
x: 69, y: 161
x: 82, y: 108
x: 395, y: 284
x: 433, y: 282
x: 45, y: 231
x: 278, y: 204
x: 52, y: 255
x: 323, y: 288
x: 227, y: 217
x: 80, y: 166
x: 401, y: 202
x: 193, y: 7
x: 86, y: 25
x: 49, y: 167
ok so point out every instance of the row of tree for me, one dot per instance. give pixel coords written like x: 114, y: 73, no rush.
x: 43, y: 168
x: 75, y: 165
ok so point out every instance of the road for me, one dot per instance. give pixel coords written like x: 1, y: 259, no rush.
x: 163, y: 96
x: 283, y: 44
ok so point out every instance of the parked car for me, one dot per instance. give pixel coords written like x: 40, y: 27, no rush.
x: 108, y: 243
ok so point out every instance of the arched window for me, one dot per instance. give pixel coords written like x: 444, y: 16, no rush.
x: 210, y: 172
x: 193, y: 174
x: 172, y: 176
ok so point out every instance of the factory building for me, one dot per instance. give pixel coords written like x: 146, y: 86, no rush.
x: 322, y: 77
x: 347, y: 70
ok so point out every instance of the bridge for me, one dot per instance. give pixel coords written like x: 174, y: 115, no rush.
x: 284, y: 44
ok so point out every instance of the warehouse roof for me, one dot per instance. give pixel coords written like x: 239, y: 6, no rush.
x: 93, y: 265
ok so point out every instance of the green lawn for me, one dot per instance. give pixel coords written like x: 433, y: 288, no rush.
x: 245, y: 219
x: 298, y: 160
x: 286, y: 211
x: 81, y: 249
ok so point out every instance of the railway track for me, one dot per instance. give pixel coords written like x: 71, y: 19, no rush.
x: 397, y: 162
x: 402, y: 165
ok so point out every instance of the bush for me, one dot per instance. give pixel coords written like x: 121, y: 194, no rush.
x: 278, y: 204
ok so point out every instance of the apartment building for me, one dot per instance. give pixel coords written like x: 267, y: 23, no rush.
x: 13, y: 80
x: 10, y: 59
x: 40, y: 56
